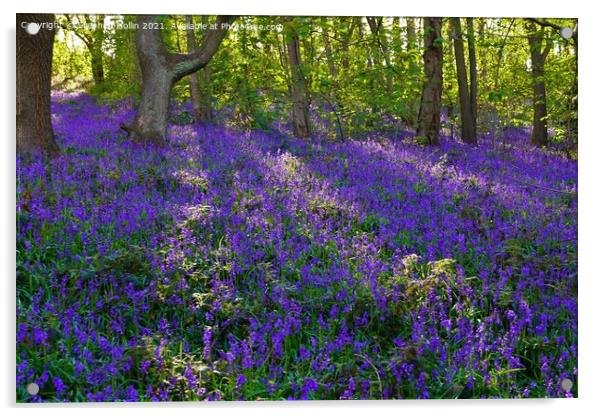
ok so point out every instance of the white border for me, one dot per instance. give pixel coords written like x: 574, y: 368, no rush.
x: 590, y: 232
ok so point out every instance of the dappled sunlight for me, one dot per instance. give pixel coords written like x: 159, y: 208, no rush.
x: 243, y: 252
x: 245, y: 207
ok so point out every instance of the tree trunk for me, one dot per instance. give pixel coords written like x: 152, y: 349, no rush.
x: 92, y: 35
x: 472, y: 59
x: 571, y: 123
x: 411, y: 32
x: 328, y: 49
x: 98, y: 73
x: 96, y: 53
x: 429, y: 116
x: 370, y: 71
x: 160, y: 70
x: 396, y: 45
x: 150, y: 124
x: 382, y: 48
x: 481, y: 34
x: 468, y: 131
x: 346, y: 39
x: 299, y: 94
x: 334, y: 101
x: 34, y: 69
x: 195, y: 91
x: 205, y: 77
x: 539, y: 136
x: 572, y: 103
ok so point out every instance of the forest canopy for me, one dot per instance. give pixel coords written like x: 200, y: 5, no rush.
x: 361, y: 73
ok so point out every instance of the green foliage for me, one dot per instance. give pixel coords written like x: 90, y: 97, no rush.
x: 359, y: 81
x: 70, y: 66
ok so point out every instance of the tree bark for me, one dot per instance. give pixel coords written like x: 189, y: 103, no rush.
x: 468, y: 130
x: 346, y: 39
x: 539, y: 135
x: 205, y: 86
x: 96, y: 53
x: 98, y: 73
x: 160, y: 70
x: 370, y: 70
x: 195, y: 90
x: 411, y: 33
x: 382, y: 48
x: 572, y: 102
x: 472, y: 59
x: 150, y: 124
x: 429, y: 116
x: 34, y: 70
x: 299, y: 93
x: 334, y: 101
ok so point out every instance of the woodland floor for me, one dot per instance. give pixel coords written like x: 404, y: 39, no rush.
x: 250, y: 265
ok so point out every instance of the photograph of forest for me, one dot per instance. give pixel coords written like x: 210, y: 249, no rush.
x: 295, y: 208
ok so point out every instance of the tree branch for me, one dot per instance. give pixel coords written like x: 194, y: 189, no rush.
x: 547, y: 49
x: 186, y: 64
x: 83, y: 36
x: 545, y: 23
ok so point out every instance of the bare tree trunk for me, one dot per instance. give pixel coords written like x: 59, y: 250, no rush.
x: 206, y: 106
x: 333, y: 101
x: 34, y: 69
x: 539, y: 136
x: 468, y: 131
x: 299, y: 93
x: 411, y: 32
x: 160, y: 70
x: 206, y: 91
x: 571, y: 123
x: 200, y: 82
x: 195, y: 91
x: 429, y: 116
x: 151, y: 122
x: 472, y: 59
x: 414, y: 67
